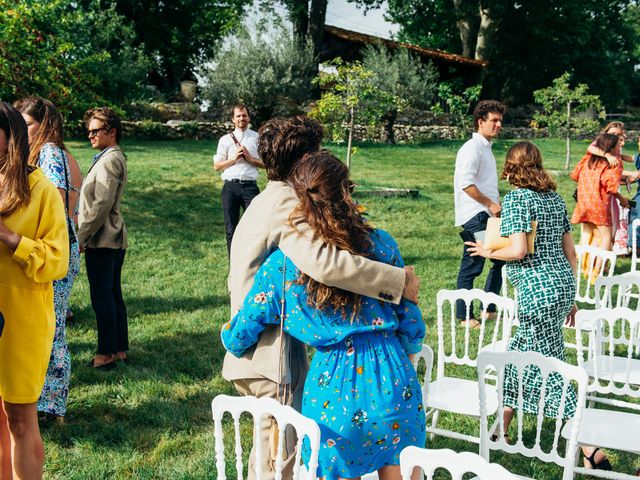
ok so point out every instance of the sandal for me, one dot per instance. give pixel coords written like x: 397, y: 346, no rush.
x: 603, y: 464
x: 507, y: 439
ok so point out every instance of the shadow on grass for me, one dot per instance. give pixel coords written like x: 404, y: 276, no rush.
x: 166, y: 387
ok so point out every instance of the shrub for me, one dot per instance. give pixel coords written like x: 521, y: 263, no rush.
x: 264, y: 70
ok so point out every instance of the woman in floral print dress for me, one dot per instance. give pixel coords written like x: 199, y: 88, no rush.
x: 362, y: 388
x: 44, y: 124
x: 544, y: 281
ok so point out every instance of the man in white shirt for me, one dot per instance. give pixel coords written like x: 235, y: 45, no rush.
x: 237, y: 158
x: 475, y: 185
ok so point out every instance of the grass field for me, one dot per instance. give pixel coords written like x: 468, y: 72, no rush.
x: 151, y: 419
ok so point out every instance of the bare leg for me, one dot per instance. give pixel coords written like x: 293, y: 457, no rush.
x: 507, y: 416
x: 392, y: 472
x: 27, y: 450
x: 5, y: 446
x: 605, y: 236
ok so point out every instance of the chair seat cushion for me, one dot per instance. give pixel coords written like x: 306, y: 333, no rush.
x: 614, y: 368
x: 458, y: 395
x: 608, y: 429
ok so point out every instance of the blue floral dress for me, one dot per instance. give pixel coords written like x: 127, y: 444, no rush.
x: 361, y: 388
x: 53, y: 398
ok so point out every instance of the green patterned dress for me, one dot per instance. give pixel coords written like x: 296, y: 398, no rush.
x: 545, y: 294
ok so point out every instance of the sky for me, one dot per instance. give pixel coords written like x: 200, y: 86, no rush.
x: 342, y: 14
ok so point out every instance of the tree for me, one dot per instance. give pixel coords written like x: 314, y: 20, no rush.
x: 528, y: 43
x: 266, y: 71
x: 352, y: 94
x: 179, y: 34
x: 307, y: 18
x: 402, y: 76
x: 561, y: 106
x: 76, y: 56
x: 457, y: 105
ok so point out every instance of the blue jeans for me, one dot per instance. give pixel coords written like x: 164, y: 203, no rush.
x: 471, y: 267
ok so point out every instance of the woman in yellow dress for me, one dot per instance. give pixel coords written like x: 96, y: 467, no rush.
x: 34, y: 251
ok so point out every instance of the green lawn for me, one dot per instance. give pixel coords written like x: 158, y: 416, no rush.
x: 152, y: 419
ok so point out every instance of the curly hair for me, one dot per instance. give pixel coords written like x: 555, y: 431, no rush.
x: 484, y: 108
x: 50, y: 120
x: 106, y: 116
x: 322, y: 184
x: 523, y: 168
x: 283, y: 142
x: 14, y: 164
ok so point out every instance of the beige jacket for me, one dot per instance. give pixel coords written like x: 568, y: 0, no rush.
x: 262, y: 229
x: 100, y: 222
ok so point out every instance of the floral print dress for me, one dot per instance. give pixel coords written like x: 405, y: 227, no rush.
x: 53, y: 399
x: 361, y: 388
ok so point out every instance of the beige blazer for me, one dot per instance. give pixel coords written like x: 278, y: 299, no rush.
x: 100, y: 222
x: 262, y: 229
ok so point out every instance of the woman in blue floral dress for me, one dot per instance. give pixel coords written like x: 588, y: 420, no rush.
x: 44, y: 124
x: 362, y: 388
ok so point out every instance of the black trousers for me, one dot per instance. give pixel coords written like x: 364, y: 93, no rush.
x: 104, y: 271
x: 234, y: 196
x: 471, y: 267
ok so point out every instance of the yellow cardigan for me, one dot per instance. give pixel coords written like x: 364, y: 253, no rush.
x: 26, y: 292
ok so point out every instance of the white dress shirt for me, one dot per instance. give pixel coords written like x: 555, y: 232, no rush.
x: 241, y: 170
x: 475, y: 165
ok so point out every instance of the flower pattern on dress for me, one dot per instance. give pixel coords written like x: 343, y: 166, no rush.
x: 361, y: 387
x: 53, y: 398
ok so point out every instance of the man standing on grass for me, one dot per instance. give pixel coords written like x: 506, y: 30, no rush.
x: 265, y: 227
x: 237, y: 158
x: 475, y: 186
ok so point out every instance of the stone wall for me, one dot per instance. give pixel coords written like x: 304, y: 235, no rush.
x: 206, y: 130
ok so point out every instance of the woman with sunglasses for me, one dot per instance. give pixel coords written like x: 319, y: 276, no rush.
x: 103, y: 235
x: 34, y: 251
x: 44, y: 125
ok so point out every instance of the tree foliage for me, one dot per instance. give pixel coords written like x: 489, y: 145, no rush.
x: 267, y: 71
x: 76, y: 56
x: 528, y: 43
x: 403, y: 76
x: 179, y: 35
x: 457, y: 105
x: 563, y: 110
x: 351, y: 95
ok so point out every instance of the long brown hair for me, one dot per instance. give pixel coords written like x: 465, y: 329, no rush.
x: 523, y: 168
x: 607, y: 142
x: 14, y: 165
x: 322, y: 184
x: 46, y: 114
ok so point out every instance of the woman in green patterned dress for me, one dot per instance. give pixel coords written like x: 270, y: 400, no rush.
x: 544, y: 280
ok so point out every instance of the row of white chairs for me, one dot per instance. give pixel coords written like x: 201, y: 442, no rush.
x: 589, y: 426
x: 428, y: 460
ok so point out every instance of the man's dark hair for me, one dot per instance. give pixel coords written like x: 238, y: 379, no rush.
x: 106, y: 116
x: 239, y: 106
x: 283, y: 141
x: 484, y: 108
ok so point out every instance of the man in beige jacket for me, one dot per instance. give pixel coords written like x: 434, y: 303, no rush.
x: 263, y: 228
x: 102, y: 235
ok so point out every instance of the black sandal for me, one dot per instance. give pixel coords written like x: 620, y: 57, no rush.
x: 603, y: 464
